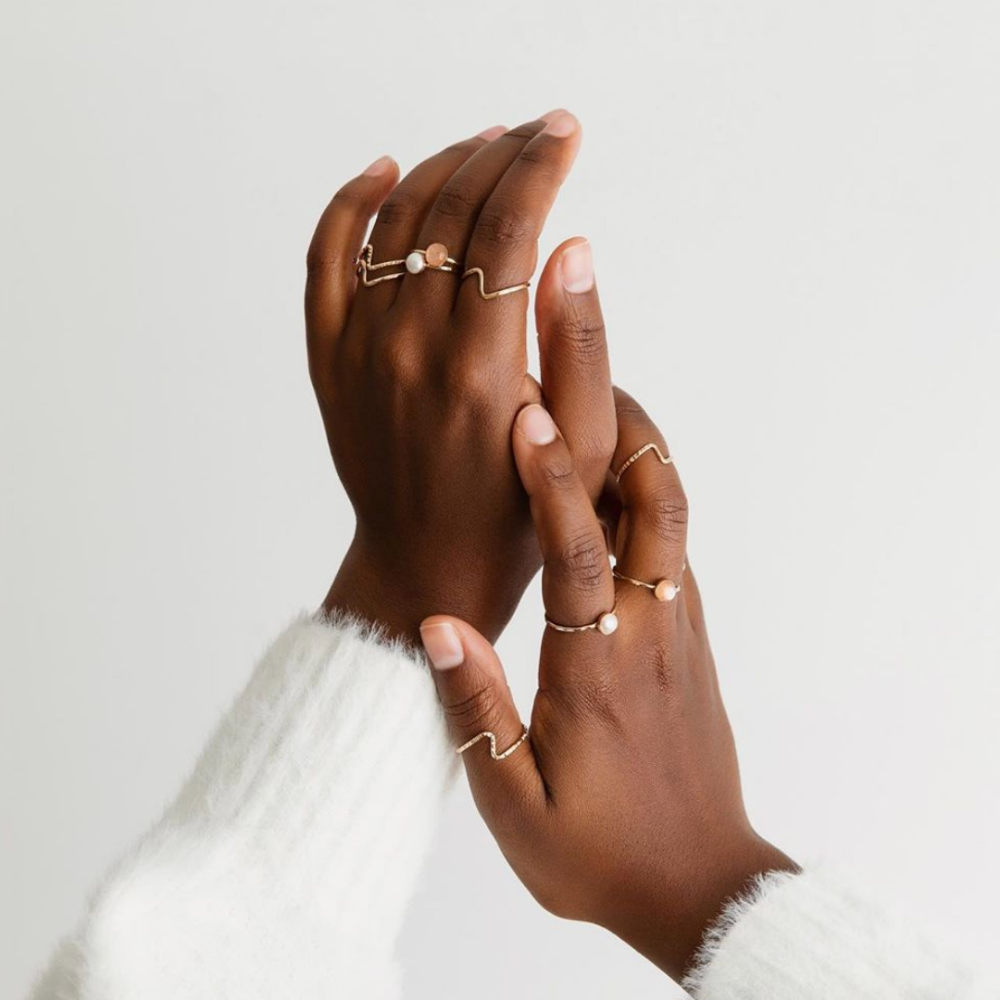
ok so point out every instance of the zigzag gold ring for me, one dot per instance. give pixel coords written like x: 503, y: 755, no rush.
x: 493, y: 744
x: 481, y: 285
x: 632, y: 459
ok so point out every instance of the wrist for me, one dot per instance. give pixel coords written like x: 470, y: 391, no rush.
x: 397, y: 591
x: 671, y: 934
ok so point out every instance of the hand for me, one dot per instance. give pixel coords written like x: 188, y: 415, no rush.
x: 418, y: 379
x: 624, y: 807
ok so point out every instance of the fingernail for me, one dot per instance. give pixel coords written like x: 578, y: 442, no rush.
x: 381, y: 166
x: 443, y: 646
x: 576, y: 268
x: 562, y: 125
x: 490, y: 134
x: 548, y: 116
x: 536, y: 424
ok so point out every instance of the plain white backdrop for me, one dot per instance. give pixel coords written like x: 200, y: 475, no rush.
x: 795, y: 212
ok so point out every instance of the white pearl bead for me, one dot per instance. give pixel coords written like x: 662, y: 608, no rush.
x: 608, y: 623
x: 415, y: 263
x: 666, y: 590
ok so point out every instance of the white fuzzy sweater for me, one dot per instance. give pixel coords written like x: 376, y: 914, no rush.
x: 283, y: 869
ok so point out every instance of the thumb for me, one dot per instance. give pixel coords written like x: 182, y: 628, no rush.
x: 483, y: 720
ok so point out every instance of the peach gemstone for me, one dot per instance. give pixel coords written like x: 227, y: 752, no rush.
x: 437, y: 254
x: 665, y: 590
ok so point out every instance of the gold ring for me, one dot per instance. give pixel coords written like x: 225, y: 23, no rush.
x: 606, y: 624
x: 483, y: 294
x: 663, y: 590
x: 631, y: 460
x: 434, y: 258
x: 366, y: 266
x: 493, y: 744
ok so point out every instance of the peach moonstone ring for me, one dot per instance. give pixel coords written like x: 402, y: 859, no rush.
x: 434, y: 257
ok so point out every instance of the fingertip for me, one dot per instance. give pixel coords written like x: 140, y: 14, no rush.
x: 442, y: 643
x: 535, y: 425
x: 382, y: 166
x: 576, y: 267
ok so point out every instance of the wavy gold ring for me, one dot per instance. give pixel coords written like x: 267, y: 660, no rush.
x: 632, y: 459
x: 481, y: 285
x: 493, y: 744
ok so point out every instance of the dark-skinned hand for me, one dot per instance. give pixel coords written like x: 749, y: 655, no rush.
x: 419, y: 379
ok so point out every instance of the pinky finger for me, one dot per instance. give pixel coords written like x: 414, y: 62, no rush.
x: 331, y: 262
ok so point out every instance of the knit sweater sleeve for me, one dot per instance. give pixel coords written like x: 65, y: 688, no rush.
x: 813, y: 937
x: 284, y: 866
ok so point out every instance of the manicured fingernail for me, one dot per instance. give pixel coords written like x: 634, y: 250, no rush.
x: 562, y: 125
x: 536, y: 424
x: 490, y: 134
x: 381, y: 166
x: 548, y: 116
x: 576, y: 268
x: 442, y: 644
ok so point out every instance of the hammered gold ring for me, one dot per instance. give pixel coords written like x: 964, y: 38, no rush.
x: 606, y: 624
x: 434, y: 258
x: 632, y: 459
x: 493, y: 744
x: 663, y: 590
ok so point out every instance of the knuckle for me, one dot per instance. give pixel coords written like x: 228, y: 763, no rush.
x: 665, y: 509
x: 503, y: 224
x: 557, y: 471
x: 522, y: 133
x: 322, y: 259
x: 401, y: 208
x: 469, y: 384
x: 396, y: 362
x: 583, y: 559
x: 538, y: 156
x: 582, y: 335
x: 475, y: 713
x: 457, y: 200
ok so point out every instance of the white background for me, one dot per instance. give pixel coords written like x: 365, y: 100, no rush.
x: 795, y: 213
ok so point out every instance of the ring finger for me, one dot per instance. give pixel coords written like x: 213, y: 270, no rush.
x: 402, y: 214
x: 651, y: 541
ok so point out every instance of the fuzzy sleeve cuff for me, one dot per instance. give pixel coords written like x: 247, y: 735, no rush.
x: 284, y: 867
x: 810, y: 937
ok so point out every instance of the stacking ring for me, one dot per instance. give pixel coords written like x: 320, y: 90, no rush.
x: 606, y: 624
x: 632, y: 459
x: 663, y: 590
x: 493, y: 744
x: 434, y: 258
x: 481, y: 285
x: 366, y: 266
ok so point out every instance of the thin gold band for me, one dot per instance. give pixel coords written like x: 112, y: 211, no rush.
x: 663, y: 590
x: 606, y: 624
x: 631, y: 460
x: 493, y: 744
